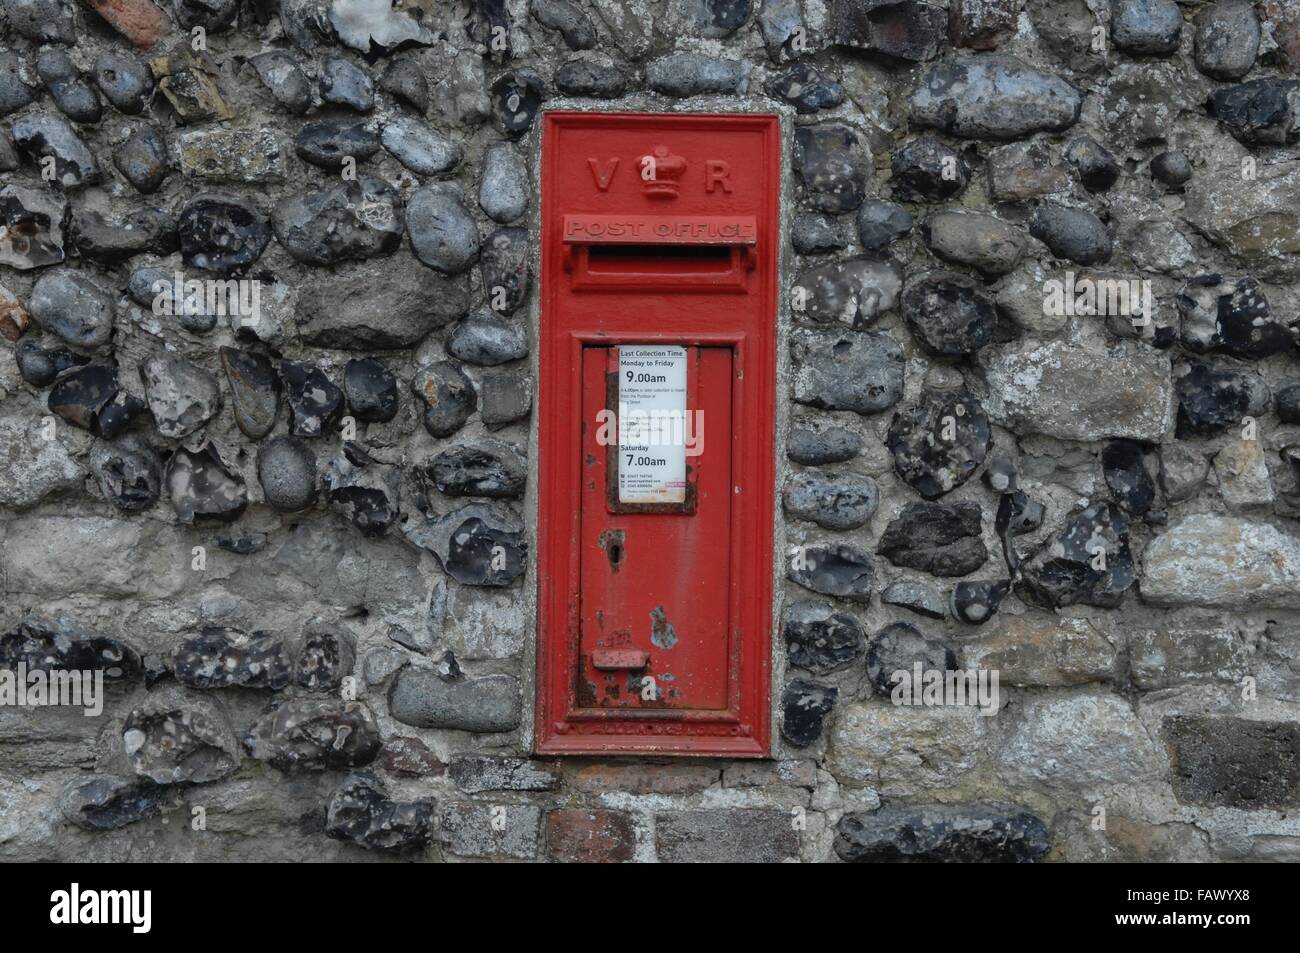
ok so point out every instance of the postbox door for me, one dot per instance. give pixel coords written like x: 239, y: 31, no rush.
x: 655, y: 575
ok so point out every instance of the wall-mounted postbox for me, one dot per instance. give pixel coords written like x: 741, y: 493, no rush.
x: 656, y: 404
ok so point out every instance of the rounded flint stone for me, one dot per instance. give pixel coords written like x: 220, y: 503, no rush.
x: 840, y: 502
x: 403, y: 80
x: 948, y: 314
x: 39, y: 365
x: 329, y: 142
x: 423, y: 699
x: 448, y: 395
x: 881, y: 224
x: 14, y: 91
x: 74, y: 306
x: 505, y: 271
x: 478, y: 545
x: 280, y: 73
x: 1228, y: 36
x: 353, y: 221
x: 286, y: 468
x: 72, y: 94
x: 516, y: 98
x: 697, y: 74
x: 504, y: 190
x: 976, y: 601
x: 418, y: 147
x: 328, y: 655
x: 124, y: 81
x: 834, y: 569
x: 443, y: 233
x: 994, y: 96
x: 104, y: 803
x: 585, y: 77
x: 254, y: 390
x: 853, y: 292
x: 371, y: 390
x: 42, y: 137
x: 142, y: 159
x: 858, y: 371
x: 1146, y: 27
x: 221, y: 232
x: 898, y: 647
x: 939, y: 442
x: 486, y: 340
x: 833, y: 165
x: 817, y: 447
x: 1074, y: 234
x: 346, y: 84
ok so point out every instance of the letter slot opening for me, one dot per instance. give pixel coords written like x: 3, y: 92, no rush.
x: 661, y: 260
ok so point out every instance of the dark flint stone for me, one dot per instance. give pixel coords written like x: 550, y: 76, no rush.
x: 833, y: 166
x: 908, y: 30
x: 516, y: 98
x: 860, y: 371
x: 448, y: 396
x: 174, y: 737
x: 841, y: 502
x: 91, y: 399
x: 1212, y: 399
x: 286, y: 469
x: 813, y: 233
x: 813, y: 448
x: 486, y: 340
x: 371, y: 390
x: 403, y: 80
x: 143, y: 231
x: 74, y: 305
x: 834, y: 569
x: 106, y: 803
x: 219, y: 657
x: 948, y: 314
x: 477, y: 545
x: 39, y: 365
x: 492, y: 470
x: 504, y: 264
x: 1017, y: 514
x: 201, y: 487
x: 920, y: 599
x: 899, y: 646
x: 1172, y: 169
x: 926, y: 170
x: 975, y: 602
x: 242, y: 545
x: 360, y: 811
x: 854, y: 292
x: 73, y: 95
x: 821, y: 640
x: 57, y: 645
x: 806, y: 88
x: 1061, y: 573
x: 1127, y: 476
x: 1220, y: 314
x: 346, y: 84
x: 314, y: 735
x: 254, y: 390
x: 939, y: 442
x: 1074, y: 234
x: 43, y: 136
x: 281, y: 74
x: 567, y: 19
x: 1287, y: 402
x: 315, y: 402
x: 580, y: 77
x: 943, y: 833
x: 327, y: 656
x: 129, y: 473
x: 944, y: 539
x: 31, y: 227
x: 222, y: 233
x: 356, y: 220
x: 804, y: 707
x: 364, y: 490
x: 142, y: 159
x: 881, y: 224
x: 1261, y: 112
x: 328, y: 143
x: 1098, y: 170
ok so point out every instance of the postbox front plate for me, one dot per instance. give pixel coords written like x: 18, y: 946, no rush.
x: 658, y: 285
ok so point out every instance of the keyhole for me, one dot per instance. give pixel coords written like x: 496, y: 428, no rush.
x: 615, y: 551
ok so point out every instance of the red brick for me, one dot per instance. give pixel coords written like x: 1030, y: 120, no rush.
x: 139, y: 21
x: 576, y: 835
x: 411, y: 757
x: 1284, y: 15
x: 645, y: 778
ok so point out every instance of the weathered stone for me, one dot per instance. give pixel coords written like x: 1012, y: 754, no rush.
x: 804, y: 707
x: 360, y: 811
x: 1233, y: 316
x: 1074, y: 234
x: 254, y: 390
x: 922, y: 600
x: 327, y: 656
x: 904, y: 751
x: 475, y: 774
x: 854, y: 292
x: 566, y: 18
x: 505, y: 269
x: 42, y: 21
x: 52, y: 137
x: 331, y: 142
x: 404, y: 80
x: 175, y: 737
x: 418, y: 147
x: 124, y: 81
x: 286, y: 469
x: 31, y: 228
x: 819, y: 639
x: 939, y: 442
x: 900, y: 647
x: 129, y: 473
x: 91, y: 398
x: 421, y: 698
x: 994, y: 97
x: 881, y: 223
x: 1212, y: 399
x: 806, y: 88
x: 448, y: 395
x: 354, y: 221
x: 182, y: 396
x: 1222, y: 561
x: 477, y: 545
x: 1127, y: 476
x: 343, y: 83
x: 410, y: 757
x: 781, y: 22
x: 697, y: 74
x: 105, y: 803
x: 834, y: 165
x: 1242, y: 472
x: 982, y: 24
x: 190, y: 84
x: 443, y: 234
x: 379, y: 305
x: 925, y: 169
x: 835, y: 569
x: 214, y: 16
x: 371, y: 391
x: 1172, y: 169
x: 943, y: 539
x: 581, y: 836
x: 1146, y: 27
x: 839, y: 503
x: 1260, y: 112
x: 15, y: 92
x: 1182, y: 471
x: 1234, y: 762
x: 489, y: 469
x: 222, y: 233
x: 948, y: 314
x: 141, y: 231
x: 75, y: 306
x: 983, y: 242
x: 943, y: 833
x: 50, y: 645
x: 364, y: 490
x: 910, y: 30
x: 1087, y: 562
x: 472, y: 829
x: 744, y: 836
x: 504, y: 189
x: 812, y: 233
x: 1037, y: 650
x: 585, y: 77
x: 218, y: 657
x: 377, y: 27
x: 1177, y: 654
x: 281, y: 74
x: 1087, y: 390
x: 1022, y: 171
x: 507, y: 397
x: 201, y: 486
x: 1096, y: 167
x: 315, y: 402
x: 314, y: 735
x: 815, y: 448
x: 486, y: 340
x: 976, y: 601
x: 862, y: 372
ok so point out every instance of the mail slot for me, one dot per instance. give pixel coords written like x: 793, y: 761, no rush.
x: 656, y: 408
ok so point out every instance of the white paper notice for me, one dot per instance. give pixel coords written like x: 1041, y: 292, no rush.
x: 651, y: 422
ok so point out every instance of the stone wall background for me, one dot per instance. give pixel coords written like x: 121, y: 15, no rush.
x: 1162, y: 690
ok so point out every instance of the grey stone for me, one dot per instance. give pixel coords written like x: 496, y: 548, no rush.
x: 214, y: 16
x: 834, y: 166
x: 140, y: 231
x: 812, y: 233
x: 15, y: 93
x: 254, y: 390
x: 418, y: 147
x: 281, y: 74
x: 568, y: 19
x: 910, y: 30
x: 477, y: 545
x: 443, y: 233
x: 900, y: 647
x: 1146, y: 27
x: 839, y: 503
x: 1172, y: 169
x: 142, y: 159
x: 805, y: 706
x: 943, y: 833
x: 423, y: 699
x: 994, y: 97
x: 489, y: 469
x: 52, y: 137
x: 202, y: 487
x: 744, y: 836
x: 516, y: 98
x: 315, y: 402
x: 354, y: 221
x: 862, y: 372
x: 475, y: 774
x: 1213, y: 399
x: 129, y: 473
x: 182, y: 396
x: 331, y: 142
x: 344, y: 83
x: 586, y: 77
x: 222, y: 232
x: 327, y: 656
x: 1231, y: 315
x: 1021, y: 171
x: 42, y: 21
x: 806, y: 88
x: 32, y: 225
x: 39, y: 366
x: 404, y: 80
x: 881, y: 224
x: 486, y: 340
x: 948, y: 314
x: 286, y: 468
x: 821, y: 640
x: 74, y: 306
x: 1260, y: 112
x: 780, y: 22
x: 504, y: 263
x: 75, y: 97
x: 507, y: 397
x: 1182, y: 471
x: 362, y: 489
x: 371, y: 390
x: 1075, y: 234
x: 375, y: 27
x: 697, y: 74
x: 382, y: 305
x: 504, y: 189
x: 920, y: 599
x: 179, y: 737
x: 314, y: 735
x: 927, y: 170
x: 1234, y: 762
x: 448, y: 396
x: 1222, y: 561
x: 983, y: 242
x: 104, y: 803
x: 815, y: 448
x: 1088, y: 561
x: 467, y: 829
x: 854, y: 292
x: 834, y: 569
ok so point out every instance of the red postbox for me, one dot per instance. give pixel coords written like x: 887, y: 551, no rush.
x: 656, y: 420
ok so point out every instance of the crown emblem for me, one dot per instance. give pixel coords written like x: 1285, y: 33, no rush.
x: 661, y: 173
